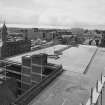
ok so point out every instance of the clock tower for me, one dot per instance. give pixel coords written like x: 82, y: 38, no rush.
x: 4, y: 33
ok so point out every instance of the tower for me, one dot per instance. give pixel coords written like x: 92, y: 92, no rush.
x: 4, y: 33
x: 26, y: 34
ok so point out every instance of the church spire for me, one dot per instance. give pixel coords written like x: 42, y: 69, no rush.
x: 4, y: 32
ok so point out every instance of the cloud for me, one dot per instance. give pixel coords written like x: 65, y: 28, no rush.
x: 62, y: 13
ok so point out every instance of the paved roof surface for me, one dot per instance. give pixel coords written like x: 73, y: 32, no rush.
x: 72, y: 87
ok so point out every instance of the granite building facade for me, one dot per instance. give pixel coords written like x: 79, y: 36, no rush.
x: 11, y: 47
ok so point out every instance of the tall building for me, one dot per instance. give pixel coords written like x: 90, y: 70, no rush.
x: 10, y: 46
x: 4, y: 33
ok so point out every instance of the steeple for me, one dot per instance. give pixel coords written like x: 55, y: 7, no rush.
x: 4, y: 33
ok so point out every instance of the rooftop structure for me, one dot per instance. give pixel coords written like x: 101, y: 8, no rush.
x: 34, y: 73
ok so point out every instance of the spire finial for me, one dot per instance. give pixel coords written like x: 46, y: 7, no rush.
x: 4, y: 32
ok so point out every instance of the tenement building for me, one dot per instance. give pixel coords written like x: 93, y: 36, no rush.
x: 10, y: 46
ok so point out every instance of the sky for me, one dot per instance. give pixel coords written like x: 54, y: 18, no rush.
x: 54, y: 13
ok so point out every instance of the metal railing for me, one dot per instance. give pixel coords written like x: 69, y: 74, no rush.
x: 87, y: 67
x: 29, y: 95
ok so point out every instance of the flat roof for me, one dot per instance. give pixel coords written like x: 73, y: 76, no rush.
x: 72, y: 87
